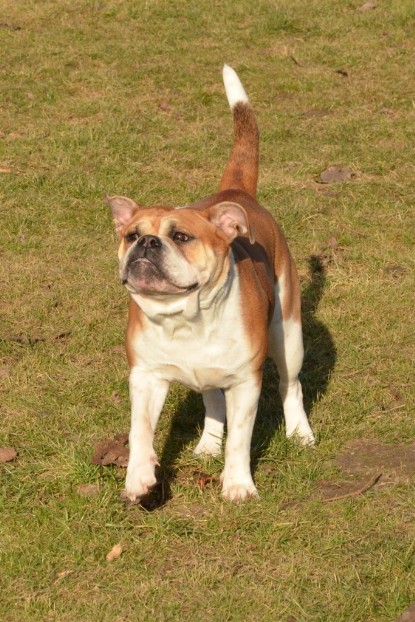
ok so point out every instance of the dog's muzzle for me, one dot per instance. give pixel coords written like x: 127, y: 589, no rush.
x: 147, y: 245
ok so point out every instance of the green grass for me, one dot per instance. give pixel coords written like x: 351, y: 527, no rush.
x: 126, y: 98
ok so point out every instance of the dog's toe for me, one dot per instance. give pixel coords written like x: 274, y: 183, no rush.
x: 239, y: 492
x: 305, y: 439
x: 138, y: 485
x: 208, y: 449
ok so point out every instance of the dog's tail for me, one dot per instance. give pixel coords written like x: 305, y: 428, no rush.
x: 241, y: 170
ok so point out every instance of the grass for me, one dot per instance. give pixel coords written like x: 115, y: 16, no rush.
x: 126, y: 98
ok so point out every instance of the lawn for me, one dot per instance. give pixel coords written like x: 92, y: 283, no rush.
x: 126, y: 97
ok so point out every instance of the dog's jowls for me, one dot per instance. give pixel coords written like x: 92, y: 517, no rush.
x: 214, y: 291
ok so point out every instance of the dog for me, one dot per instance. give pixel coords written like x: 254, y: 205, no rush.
x: 214, y: 291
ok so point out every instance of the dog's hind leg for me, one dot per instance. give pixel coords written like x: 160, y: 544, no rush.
x: 286, y: 349
x: 211, y: 440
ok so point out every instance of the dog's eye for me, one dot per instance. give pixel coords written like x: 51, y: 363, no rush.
x: 132, y: 236
x: 179, y: 236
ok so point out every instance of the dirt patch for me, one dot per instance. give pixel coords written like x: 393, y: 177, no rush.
x: 408, y: 615
x: 87, y: 490
x: 189, y: 510
x: 334, y: 491
x: 361, y: 457
x: 368, y: 464
x: 336, y: 174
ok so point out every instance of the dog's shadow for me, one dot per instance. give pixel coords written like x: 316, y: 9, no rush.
x: 319, y: 360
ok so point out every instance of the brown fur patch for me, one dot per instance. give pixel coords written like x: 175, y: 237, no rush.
x: 241, y: 171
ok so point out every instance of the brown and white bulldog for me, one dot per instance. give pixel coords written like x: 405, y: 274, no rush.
x: 214, y: 291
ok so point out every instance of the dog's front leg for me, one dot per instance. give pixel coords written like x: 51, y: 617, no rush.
x: 147, y: 394
x: 241, y: 408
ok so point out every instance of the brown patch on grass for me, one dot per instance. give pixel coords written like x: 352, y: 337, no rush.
x: 336, y: 174
x: 87, y: 490
x: 362, y: 456
x: 346, y: 490
x: 112, y: 451
x: 188, y: 510
x: 203, y: 479
x: 7, y: 454
x: 408, y: 615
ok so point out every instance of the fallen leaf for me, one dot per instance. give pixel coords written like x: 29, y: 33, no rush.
x: 7, y: 454
x: 202, y: 479
x: 336, y: 174
x: 112, y: 451
x: 114, y: 553
x: 5, y: 169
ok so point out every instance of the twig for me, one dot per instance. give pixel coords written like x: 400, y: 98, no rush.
x: 356, y: 371
x: 344, y: 226
x: 360, y: 491
x: 292, y: 57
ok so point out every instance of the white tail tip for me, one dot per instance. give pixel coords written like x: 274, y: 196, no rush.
x: 235, y: 92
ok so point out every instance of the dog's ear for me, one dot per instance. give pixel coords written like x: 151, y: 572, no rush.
x: 123, y: 209
x: 232, y: 219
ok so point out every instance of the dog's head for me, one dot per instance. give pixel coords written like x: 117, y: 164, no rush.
x: 167, y: 251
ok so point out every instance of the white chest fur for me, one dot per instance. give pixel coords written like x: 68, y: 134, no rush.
x: 200, y: 343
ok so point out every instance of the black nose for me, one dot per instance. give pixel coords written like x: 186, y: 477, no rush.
x: 149, y: 242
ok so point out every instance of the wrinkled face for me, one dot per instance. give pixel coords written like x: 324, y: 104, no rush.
x: 174, y: 251
x: 170, y: 252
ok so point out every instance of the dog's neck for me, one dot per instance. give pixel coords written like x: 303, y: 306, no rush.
x: 189, y: 308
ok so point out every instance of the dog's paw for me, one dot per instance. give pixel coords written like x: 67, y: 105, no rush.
x: 138, y: 483
x: 239, y: 491
x: 308, y: 440
x: 304, y: 437
x: 208, y: 446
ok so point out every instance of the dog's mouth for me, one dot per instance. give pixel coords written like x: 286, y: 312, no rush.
x: 145, y: 277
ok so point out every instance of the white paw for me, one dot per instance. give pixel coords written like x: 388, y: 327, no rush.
x: 139, y: 482
x: 239, y: 491
x: 208, y: 446
x: 304, y: 436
